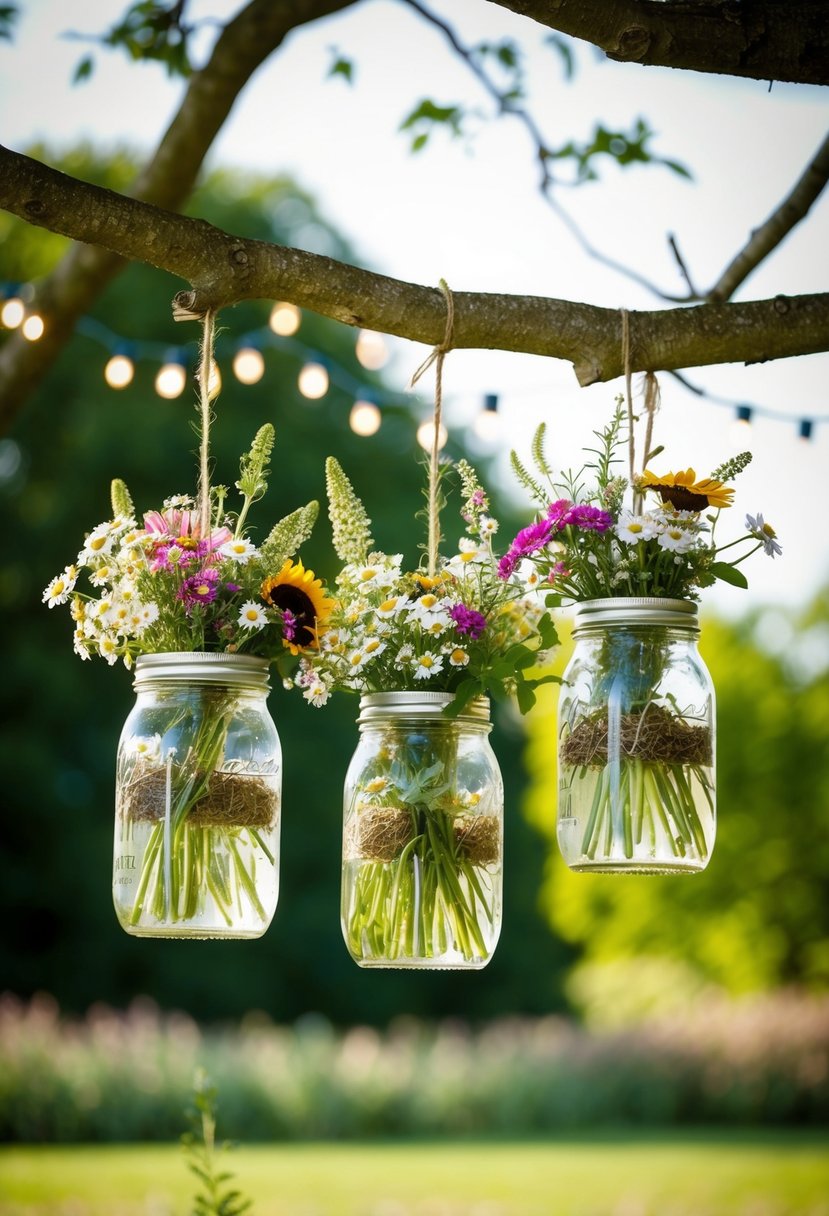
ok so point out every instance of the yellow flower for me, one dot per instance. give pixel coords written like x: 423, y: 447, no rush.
x: 683, y: 491
x: 297, y: 591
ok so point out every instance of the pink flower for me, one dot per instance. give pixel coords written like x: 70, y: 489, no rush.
x: 529, y: 540
x: 590, y: 519
x: 199, y: 588
x: 184, y: 528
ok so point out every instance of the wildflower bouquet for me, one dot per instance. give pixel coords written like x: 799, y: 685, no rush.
x: 186, y: 597
x: 424, y: 799
x: 636, y: 738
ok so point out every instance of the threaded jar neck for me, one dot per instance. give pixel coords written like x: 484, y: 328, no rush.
x: 242, y: 671
x: 385, y: 707
x: 636, y: 611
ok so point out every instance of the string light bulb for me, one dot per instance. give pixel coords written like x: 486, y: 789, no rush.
x: 487, y: 424
x: 365, y: 418
x: 12, y: 312
x: 426, y: 435
x: 313, y: 381
x: 284, y: 319
x: 33, y: 327
x: 119, y: 371
x: 214, y: 381
x: 805, y: 429
x: 248, y: 365
x: 371, y: 350
x: 171, y: 379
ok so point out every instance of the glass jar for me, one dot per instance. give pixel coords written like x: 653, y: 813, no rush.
x: 636, y: 741
x: 198, y: 790
x: 423, y: 835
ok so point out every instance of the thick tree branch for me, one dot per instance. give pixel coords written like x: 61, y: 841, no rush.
x: 69, y: 291
x: 786, y: 40
x: 223, y: 269
x: 768, y: 236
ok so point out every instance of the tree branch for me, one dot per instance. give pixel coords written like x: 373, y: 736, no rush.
x: 786, y: 40
x: 223, y: 269
x: 167, y: 180
x: 779, y: 224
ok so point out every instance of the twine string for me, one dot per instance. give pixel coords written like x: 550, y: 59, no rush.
x: 628, y: 391
x: 206, y: 365
x: 436, y: 356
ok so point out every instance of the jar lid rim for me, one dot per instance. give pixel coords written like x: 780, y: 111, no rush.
x: 203, y: 666
x: 636, y: 610
x: 413, y: 703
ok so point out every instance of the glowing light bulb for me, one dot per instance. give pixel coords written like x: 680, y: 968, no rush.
x: 119, y: 371
x: 371, y: 350
x: 426, y: 435
x: 487, y: 424
x: 12, y: 312
x: 285, y: 319
x: 365, y: 418
x: 248, y: 365
x: 741, y: 425
x: 170, y: 380
x: 214, y: 380
x: 33, y: 327
x: 805, y: 429
x: 313, y: 381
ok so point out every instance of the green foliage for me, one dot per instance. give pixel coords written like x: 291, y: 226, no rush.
x: 732, y: 468
x: 204, y: 1156
x: 340, y: 66
x: 122, y: 503
x: 625, y: 148
x: 285, y: 537
x: 147, y: 31
x: 757, y: 917
x: 563, y: 46
x: 426, y: 117
x: 9, y: 14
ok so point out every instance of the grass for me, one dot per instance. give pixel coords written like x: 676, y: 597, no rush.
x: 779, y: 1173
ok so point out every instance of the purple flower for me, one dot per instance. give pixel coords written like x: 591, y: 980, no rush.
x: 529, y: 540
x: 591, y: 519
x: 557, y: 510
x: 468, y: 620
x: 232, y: 587
x: 290, y: 625
x: 199, y: 588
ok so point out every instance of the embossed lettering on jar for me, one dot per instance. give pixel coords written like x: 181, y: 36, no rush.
x: 636, y: 741
x: 199, y: 782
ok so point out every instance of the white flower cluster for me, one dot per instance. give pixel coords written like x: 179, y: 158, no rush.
x: 676, y: 531
x: 113, y: 554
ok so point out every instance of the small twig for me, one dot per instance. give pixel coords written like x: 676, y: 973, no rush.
x: 683, y: 268
x: 767, y: 237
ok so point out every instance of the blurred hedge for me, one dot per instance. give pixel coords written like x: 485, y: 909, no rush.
x: 128, y: 1076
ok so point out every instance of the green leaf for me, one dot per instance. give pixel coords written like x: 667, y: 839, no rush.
x: 464, y: 693
x: 84, y: 69
x: 342, y: 67
x: 728, y: 574
x: 420, y: 141
x: 562, y: 45
x: 525, y: 696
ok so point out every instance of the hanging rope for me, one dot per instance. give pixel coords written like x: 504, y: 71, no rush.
x: 653, y: 399
x: 436, y: 356
x: 628, y: 391
x: 206, y: 365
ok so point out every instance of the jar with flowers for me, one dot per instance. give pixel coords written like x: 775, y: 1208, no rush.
x: 636, y: 723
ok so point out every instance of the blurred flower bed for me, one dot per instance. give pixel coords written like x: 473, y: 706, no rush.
x: 128, y: 1076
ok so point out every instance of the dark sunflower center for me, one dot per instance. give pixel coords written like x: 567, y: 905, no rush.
x: 682, y: 499
x: 301, y: 606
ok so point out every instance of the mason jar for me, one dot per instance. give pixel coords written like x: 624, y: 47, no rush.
x: 422, y: 835
x: 198, y: 790
x: 636, y: 741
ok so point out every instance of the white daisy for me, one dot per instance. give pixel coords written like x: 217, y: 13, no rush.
x: 527, y: 575
x: 98, y: 543
x: 675, y: 540
x: 79, y: 644
x: 108, y: 647
x: 633, y: 528
x: 103, y: 575
x: 240, y: 550
x: 60, y: 588
x: 763, y: 532
x: 373, y: 647
x: 391, y: 606
x: 457, y: 657
x: 149, y: 614
x: 487, y: 525
x: 427, y: 665
x: 404, y: 655
x: 145, y: 747
x: 316, y: 694
x: 252, y: 616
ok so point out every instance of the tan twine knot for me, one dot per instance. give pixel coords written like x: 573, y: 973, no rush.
x: 436, y: 356
x: 652, y: 400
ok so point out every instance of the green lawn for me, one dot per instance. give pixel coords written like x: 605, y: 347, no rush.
x: 692, y: 1174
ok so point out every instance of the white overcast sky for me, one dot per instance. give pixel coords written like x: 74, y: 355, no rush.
x: 470, y: 212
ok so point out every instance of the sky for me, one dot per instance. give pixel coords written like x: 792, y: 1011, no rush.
x: 468, y: 210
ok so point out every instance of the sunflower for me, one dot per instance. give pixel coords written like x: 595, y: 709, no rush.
x: 300, y: 597
x: 685, y: 493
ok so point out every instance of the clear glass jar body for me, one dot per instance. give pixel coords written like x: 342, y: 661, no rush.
x: 198, y: 792
x: 422, y: 836
x: 636, y: 741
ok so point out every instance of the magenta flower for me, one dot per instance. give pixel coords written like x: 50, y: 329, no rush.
x: 529, y: 540
x: 559, y: 570
x: 557, y: 510
x: 468, y: 620
x: 290, y: 625
x: 590, y: 519
x: 199, y: 588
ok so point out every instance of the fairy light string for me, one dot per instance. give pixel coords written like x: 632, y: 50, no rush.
x: 436, y: 356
